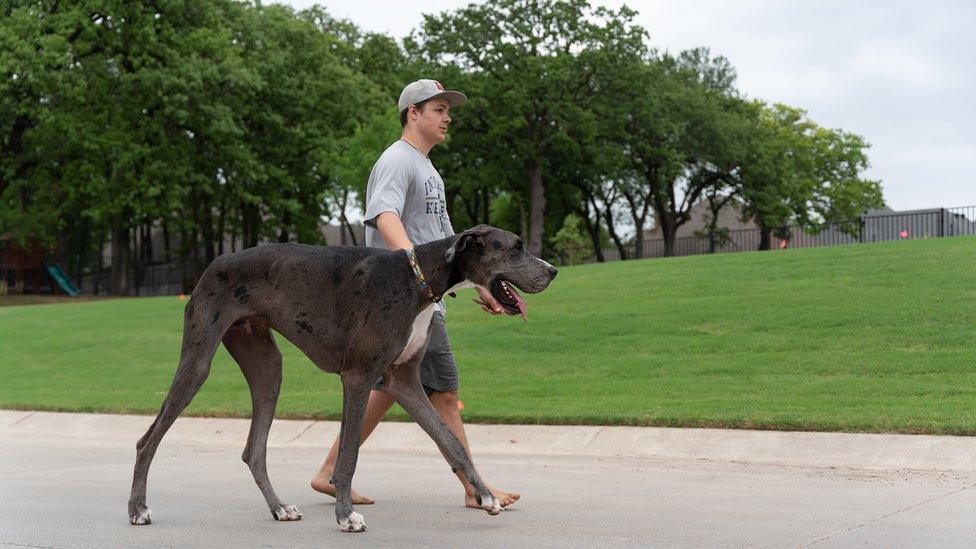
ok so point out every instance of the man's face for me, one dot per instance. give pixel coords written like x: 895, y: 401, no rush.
x: 433, y: 120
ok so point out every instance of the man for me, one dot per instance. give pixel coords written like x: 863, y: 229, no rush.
x: 406, y: 205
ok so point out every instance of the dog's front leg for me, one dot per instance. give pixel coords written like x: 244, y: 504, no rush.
x: 402, y: 382
x: 355, y: 393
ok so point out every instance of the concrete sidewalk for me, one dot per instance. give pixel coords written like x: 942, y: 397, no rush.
x: 65, y: 480
x: 853, y: 451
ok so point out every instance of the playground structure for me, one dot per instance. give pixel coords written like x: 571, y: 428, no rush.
x: 30, y: 270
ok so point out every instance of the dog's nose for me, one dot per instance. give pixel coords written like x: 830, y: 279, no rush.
x: 552, y: 272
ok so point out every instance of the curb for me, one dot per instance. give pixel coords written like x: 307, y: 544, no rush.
x: 843, y: 450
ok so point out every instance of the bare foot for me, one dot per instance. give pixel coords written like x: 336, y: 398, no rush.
x: 505, y: 498
x: 321, y: 484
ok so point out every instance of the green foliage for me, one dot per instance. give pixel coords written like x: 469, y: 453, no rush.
x: 529, y: 67
x: 221, y: 120
x: 796, y: 172
x: 570, y: 242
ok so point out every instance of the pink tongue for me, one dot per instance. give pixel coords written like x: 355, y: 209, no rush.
x: 520, y: 301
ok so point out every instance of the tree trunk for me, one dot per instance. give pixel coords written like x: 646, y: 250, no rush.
x: 668, y: 231
x: 523, y: 221
x: 537, y: 210
x: 714, y: 207
x: 344, y: 225
x: 621, y: 249
x: 207, y: 230
x: 639, y: 244
x: 220, y: 225
x: 487, y: 206
x: 348, y: 230
x: 765, y: 234
x: 285, y: 223
x: 147, y: 242
x: 593, y: 229
x: 119, y: 277
x: 97, y: 264
x: 136, y: 252
x: 166, y: 241
x: 344, y: 221
x: 765, y: 238
x: 195, y: 249
x: 471, y: 209
x: 249, y: 226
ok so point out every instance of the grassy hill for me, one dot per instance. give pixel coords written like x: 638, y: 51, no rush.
x: 872, y: 337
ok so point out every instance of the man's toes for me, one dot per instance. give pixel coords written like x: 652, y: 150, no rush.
x: 329, y: 489
x: 361, y: 500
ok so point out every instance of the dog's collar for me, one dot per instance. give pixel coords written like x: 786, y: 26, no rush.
x: 419, y: 274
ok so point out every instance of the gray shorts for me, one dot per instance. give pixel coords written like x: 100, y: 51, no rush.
x: 438, y: 371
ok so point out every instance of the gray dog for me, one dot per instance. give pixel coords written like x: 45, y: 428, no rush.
x: 362, y: 313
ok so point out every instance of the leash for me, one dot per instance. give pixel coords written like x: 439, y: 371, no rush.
x: 421, y: 280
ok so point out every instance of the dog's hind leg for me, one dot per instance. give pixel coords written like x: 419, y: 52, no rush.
x: 402, y: 382
x: 199, y: 346
x: 254, y: 349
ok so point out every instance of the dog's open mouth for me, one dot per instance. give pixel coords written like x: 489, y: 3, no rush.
x: 509, y: 298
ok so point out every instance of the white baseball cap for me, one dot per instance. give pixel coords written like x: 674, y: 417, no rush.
x: 425, y: 90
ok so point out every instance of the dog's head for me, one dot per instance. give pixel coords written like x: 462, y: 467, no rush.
x: 496, y: 260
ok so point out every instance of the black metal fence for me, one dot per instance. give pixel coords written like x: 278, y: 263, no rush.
x: 934, y: 223
x: 144, y: 280
x: 92, y: 275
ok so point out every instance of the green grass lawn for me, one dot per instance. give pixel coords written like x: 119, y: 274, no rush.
x: 872, y: 337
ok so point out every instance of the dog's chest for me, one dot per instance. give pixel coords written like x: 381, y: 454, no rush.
x: 418, y: 334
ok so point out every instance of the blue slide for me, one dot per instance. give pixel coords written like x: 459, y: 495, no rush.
x: 63, y: 281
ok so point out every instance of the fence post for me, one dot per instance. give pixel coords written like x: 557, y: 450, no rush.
x: 941, y: 222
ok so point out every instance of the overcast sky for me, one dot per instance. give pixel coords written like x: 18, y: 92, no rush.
x: 900, y: 73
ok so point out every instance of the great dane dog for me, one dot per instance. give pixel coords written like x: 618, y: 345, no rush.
x: 362, y: 313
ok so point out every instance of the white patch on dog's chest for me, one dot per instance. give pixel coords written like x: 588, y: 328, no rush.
x: 418, y: 334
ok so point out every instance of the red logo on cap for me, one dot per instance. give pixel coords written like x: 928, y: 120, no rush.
x: 439, y: 85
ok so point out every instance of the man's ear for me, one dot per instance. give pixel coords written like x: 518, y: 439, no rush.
x: 466, y: 239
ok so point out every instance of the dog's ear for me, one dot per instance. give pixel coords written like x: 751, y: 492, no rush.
x: 468, y: 238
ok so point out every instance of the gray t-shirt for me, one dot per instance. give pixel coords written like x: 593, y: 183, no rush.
x: 403, y: 181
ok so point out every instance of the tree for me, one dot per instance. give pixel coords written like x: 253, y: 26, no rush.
x: 534, y: 76
x: 799, y: 173
x: 202, y: 117
x: 677, y: 131
x: 569, y: 241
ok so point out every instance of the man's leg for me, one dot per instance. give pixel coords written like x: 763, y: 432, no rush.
x: 376, y: 408
x: 446, y: 404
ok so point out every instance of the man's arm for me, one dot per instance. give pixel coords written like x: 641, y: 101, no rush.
x: 390, y: 227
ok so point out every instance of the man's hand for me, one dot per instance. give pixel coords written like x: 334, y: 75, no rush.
x: 488, y: 303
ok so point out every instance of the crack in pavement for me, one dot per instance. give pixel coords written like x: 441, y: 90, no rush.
x: 305, y: 430
x: 879, y: 519
x: 21, y: 419
x: 586, y: 444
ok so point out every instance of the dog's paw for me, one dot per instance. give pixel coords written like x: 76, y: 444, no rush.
x: 490, y: 503
x: 288, y: 512
x: 353, y: 523
x: 140, y: 515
